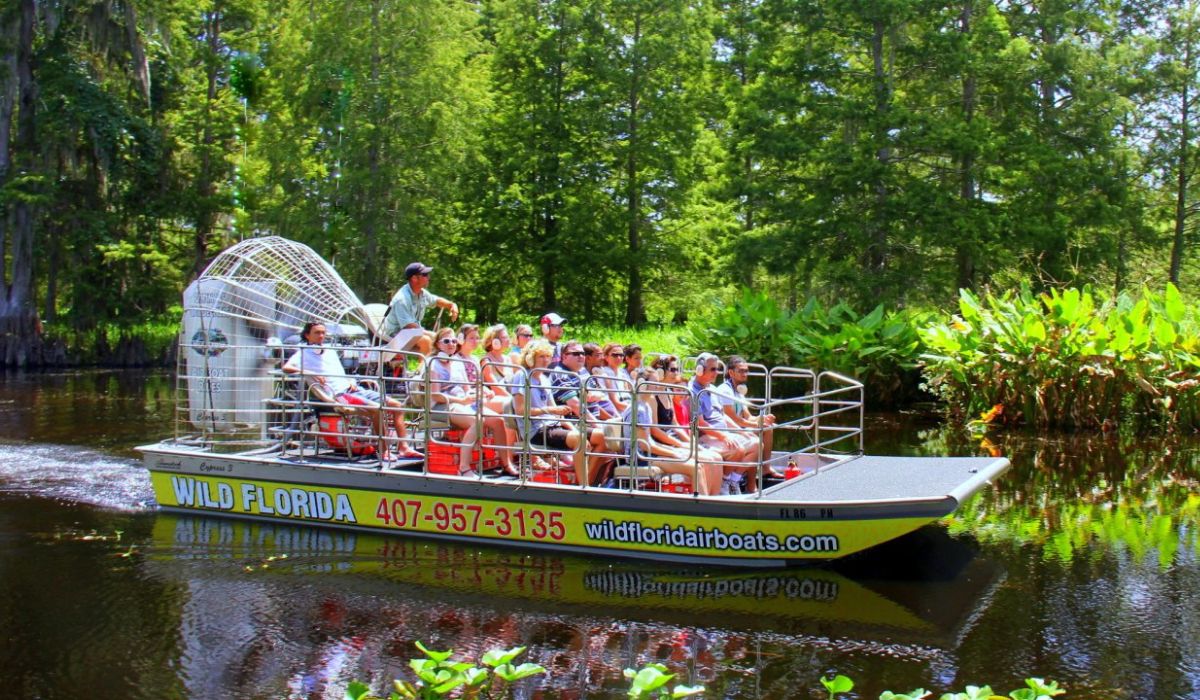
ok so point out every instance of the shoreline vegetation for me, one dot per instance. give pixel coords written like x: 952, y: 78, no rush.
x: 1069, y: 359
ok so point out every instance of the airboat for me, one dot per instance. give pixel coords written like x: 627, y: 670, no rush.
x: 253, y: 441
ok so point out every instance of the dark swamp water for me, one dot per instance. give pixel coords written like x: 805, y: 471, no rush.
x: 1082, y: 565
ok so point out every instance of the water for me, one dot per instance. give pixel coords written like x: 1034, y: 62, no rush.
x: 1080, y: 566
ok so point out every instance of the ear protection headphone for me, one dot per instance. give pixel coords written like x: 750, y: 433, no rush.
x: 496, y: 344
x: 545, y: 328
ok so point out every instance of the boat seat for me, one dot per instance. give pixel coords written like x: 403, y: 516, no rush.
x: 639, y: 475
x: 344, y: 427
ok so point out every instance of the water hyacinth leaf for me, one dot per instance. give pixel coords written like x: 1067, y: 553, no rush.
x: 686, y: 691
x: 916, y: 694
x: 648, y: 679
x: 452, y: 681
x: 838, y: 684
x: 510, y: 674
x: 357, y: 691
x: 420, y: 666
x: 475, y: 676
x: 438, y: 656
x: 496, y: 657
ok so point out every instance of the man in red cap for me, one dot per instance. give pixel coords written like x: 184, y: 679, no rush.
x: 552, y: 332
x: 408, y: 308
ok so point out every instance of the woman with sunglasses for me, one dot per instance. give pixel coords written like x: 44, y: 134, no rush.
x: 674, y: 455
x: 523, y: 334
x: 613, y: 378
x: 455, y: 402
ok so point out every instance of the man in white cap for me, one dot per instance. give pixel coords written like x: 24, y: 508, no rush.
x: 403, y: 319
x: 552, y: 332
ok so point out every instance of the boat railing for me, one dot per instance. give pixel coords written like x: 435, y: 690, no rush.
x: 253, y: 404
x: 613, y: 392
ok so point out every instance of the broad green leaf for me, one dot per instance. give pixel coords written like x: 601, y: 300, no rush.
x: 838, y: 684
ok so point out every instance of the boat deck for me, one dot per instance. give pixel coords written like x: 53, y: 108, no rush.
x: 873, y: 478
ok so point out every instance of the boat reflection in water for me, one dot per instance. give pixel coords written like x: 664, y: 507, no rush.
x: 304, y: 610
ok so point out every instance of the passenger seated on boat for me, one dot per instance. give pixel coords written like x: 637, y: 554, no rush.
x: 547, y: 427
x: 613, y: 378
x: 732, y: 393
x: 522, y: 335
x: 675, y: 401
x: 670, y: 395
x: 552, y: 333
x: 738, y: 450
x: 654, y: 439
x: 322, y: 367
x: 568, y: 380
x: 496, y: 366
x: 633, y: 360
x: 456, y: 403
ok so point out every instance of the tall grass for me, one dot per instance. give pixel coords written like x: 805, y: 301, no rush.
x: 664, y: 339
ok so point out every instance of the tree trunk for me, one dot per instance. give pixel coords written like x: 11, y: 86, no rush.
x: 635, y: 308
x: 1183, y: 175
x: 369, y: 273
x: 8, y: 103
x: 206, y: 181
x: 877, y: 243
x: 20, y: 339
x: 964, y: 253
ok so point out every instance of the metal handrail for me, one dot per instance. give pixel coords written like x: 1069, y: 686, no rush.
x: 232, y: 404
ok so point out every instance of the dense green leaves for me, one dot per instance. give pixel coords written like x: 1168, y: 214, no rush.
x: 1074, y: 358
x: 615, y: 161
x: 880, y: 348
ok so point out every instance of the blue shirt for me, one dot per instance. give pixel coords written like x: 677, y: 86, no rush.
x: 708, y: 404
x: 537, y: 393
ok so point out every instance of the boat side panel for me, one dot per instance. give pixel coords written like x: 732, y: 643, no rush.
x: 499, y: 520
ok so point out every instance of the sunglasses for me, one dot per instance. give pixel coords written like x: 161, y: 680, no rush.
x: 709, y: 369
x: 448, y: 341
x: 524, y: 335
x: 616, y: 354
x: 673, y: 368
x: 574, y: 354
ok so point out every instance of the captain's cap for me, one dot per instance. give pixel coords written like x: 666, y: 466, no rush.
x: 553, y: 319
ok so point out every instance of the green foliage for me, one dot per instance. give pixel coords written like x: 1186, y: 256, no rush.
x: 614, y: 161
x: 837, y: 684
x: 440, y: 676
x: 1071, y: 358
x: 1036, y: 689
x: 154, y: 340
x: 880, y: 348
x: 650, y: 683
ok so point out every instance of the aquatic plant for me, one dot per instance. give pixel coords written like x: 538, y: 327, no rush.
x: 1073, y: 358
x: 1035, y: 689
x: 650, y: 683
x: 438, y: 675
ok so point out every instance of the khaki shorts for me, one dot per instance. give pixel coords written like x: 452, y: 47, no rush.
x: 741, y: 442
